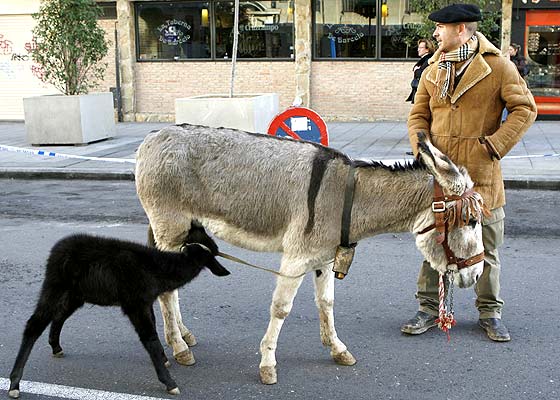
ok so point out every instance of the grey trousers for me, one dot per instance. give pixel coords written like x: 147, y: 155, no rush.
x: 487, y: 288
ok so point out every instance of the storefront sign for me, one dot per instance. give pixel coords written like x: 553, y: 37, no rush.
x: 300, y: 123
x: 345, y: 34
x: 251, y: 28
x: 172, y: 32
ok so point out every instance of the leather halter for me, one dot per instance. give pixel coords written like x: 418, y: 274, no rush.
x: 347, y: 207
x: 441, y: 225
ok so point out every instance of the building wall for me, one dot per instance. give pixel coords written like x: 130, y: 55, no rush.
x: 158, y: 84
x: 341, y: 90
x: 361, y: 91
x: 109, y: 79
x: 345, y: 91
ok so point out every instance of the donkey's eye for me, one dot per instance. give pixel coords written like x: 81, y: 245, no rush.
x: 473, y: 222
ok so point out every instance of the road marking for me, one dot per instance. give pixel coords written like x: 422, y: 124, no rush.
x: 69, y: 392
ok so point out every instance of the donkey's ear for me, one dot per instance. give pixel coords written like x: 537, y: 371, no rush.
x: 441, y: 167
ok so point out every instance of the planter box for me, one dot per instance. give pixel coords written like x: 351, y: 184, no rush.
x: 59, y: 119
x: 247, y: 112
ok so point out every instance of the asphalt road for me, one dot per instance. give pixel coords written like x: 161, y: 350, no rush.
x: 229, y: 315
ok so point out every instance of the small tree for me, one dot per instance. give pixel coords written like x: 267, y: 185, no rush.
x: 489, y: 25
x: 70, y: 44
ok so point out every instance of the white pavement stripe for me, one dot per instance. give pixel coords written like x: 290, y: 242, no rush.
x: 69, y: 392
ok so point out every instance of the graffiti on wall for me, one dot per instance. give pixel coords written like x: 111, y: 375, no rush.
x: 16, y: 62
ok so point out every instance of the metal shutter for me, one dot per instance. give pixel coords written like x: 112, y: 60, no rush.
x: 18, y: 73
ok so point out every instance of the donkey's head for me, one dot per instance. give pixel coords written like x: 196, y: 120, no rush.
x: 449, y: 233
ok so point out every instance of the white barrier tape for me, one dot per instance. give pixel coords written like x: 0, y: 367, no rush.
x: 132, y: 161
x: 533, y: 156
x: 60, y: 155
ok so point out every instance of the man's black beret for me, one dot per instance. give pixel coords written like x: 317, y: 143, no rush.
x: 456, y: 13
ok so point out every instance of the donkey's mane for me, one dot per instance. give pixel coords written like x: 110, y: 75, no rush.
x: 415, y: 165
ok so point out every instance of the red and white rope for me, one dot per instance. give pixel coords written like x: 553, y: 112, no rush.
x: 445, y: 320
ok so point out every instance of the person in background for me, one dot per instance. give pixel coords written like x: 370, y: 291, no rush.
x: 458, y: 104
x: 519, y: 61
x: 425, y: 50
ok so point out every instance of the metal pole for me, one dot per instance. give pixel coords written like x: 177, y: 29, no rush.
x: 118, y: 77
x: 234, y: 49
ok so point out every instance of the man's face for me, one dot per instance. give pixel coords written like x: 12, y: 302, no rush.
x: 447, y: 36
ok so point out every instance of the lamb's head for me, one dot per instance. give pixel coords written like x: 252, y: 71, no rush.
x: 201, y: 255
x: 455, y: 221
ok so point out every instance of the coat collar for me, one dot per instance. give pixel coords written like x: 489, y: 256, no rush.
x: 475, y: 72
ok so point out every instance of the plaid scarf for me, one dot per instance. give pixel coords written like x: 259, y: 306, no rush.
x: 445, y: 79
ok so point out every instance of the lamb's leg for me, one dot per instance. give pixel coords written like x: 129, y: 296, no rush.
x: 324, y: 299
x: 62, y: 315
x: 143, y: 324
x: 282, y: 301
x: 34, y: 328
x: 153, y: 318
x: 176, y: 334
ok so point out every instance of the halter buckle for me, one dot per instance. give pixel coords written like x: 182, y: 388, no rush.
x: 438, y: 206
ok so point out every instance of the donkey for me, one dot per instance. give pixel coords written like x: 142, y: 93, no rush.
x: 274, y: 194
x: 107, y: 272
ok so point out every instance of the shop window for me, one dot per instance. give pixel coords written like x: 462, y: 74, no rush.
x: 355, y: 29
x: 204, y: 30
x: 543, y: 52
x: 345, y: 28
x: 266, y: 29
x: 108, y: 10
x: 173, y: 31
x: 398, y: 38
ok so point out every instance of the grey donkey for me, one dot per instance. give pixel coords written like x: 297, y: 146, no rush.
x: 280, y: 195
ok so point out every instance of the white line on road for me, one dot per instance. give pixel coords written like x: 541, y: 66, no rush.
x: 69, y: 392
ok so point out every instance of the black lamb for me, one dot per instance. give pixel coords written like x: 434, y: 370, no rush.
x: 110, y: 272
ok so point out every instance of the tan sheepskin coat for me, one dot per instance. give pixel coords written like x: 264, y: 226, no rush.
x: 467, y: 125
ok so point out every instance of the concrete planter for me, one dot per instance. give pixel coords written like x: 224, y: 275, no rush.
x: 247, y: 112
x: 59, y: 119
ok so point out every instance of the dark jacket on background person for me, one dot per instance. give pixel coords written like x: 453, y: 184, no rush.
x: 521, y: 64
x: 419, y: 67
x: 466, y: 126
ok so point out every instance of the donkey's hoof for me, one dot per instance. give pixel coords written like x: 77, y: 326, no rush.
x: 190, y: 339
x: 268, y: 375
x: 344, y: 358
x: 14, y: 394
x: 185, y: 357
x: 175, y: 390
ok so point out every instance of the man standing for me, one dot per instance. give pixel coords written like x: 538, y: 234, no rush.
x: 459, y: 103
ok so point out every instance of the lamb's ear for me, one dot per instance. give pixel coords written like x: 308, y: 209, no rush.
x: 441, y: 167
x: 215, y: 267
x: 202, y: 255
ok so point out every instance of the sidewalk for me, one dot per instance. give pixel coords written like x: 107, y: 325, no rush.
x: 384, y: 140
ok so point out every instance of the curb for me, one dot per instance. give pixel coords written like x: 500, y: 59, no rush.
x: 78, y: 174
x: 536, y: 183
